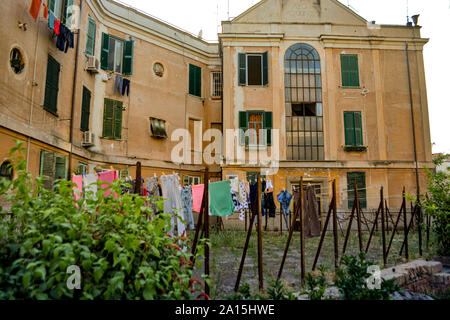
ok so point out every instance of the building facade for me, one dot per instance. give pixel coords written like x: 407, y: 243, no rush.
x: 329, y: 89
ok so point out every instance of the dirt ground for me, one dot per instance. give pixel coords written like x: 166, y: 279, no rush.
x: 227, y: 248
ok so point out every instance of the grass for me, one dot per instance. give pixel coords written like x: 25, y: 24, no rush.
x: 227, y: 248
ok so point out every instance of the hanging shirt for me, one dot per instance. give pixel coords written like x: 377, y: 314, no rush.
x: 108, y: 177
x: 284, y: 198
x: 57, y: 27
x: 51, y: 21
x: 90, y: 183
x: 197, y: 197
x: 45, y: 11
x: 221, y: 203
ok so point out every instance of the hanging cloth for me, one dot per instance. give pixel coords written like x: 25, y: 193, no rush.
x: 172, y: 202
x: 57, y: 27
x: 78, y: 189
x: 35, y: 7
x: 221, y: 203
x: 108, y: 177
x: 90, y: 183
x: 197, y: 196
x: 51, y: 21
x: 45, y: 14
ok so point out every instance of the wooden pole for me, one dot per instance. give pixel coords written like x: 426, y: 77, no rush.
x: 206, y: 228
x: 198, y: 227
x: 260, y: 249
x: 137, y: 186
x: 335, y: 228
x: 349, y: 227
x: 405, y: 230
x: 302, y: 233
x: 358, y: 219
x: 411, y: 223
x: 288, y: 243
x: 322, y: 237
x: 383, y: 226
x: 403, y: 207
x: 375, y: 223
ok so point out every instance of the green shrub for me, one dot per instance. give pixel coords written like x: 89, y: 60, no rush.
x: 352, y: 281
x: 316, y: 286
x: 122, y: 250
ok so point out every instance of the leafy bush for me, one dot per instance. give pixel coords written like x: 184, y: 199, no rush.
x: 438, y: 207
x: 123, y: 251
x: 276, y: 291
x: 352, y: 281
x: 316, y: 286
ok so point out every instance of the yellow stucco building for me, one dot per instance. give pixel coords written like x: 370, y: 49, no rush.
x: 331, y: 89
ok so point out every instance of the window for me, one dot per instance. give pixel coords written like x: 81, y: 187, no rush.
x: 358, y: 178
x: 304, y: 114
x: 117, y: 55
x: 85, y: 109
x: 195, y: 80
x: 90, y: 37
x: 353, y: 131
x: 52, y: 85
x: 16, y: 61
x: 82, y: 168
x: 158, y: 128
x: 53, y: 167
x: 112, y: 119
x: 349, y: 70
x: 257, y: 128
x: 62, y: 9
x: 253, y: 69
x: 192, y: 180
x: 216, y: 84
x: 158, y: 69
x: 6, y: 170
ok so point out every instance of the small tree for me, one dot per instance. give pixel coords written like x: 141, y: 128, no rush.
x: 437, y: 205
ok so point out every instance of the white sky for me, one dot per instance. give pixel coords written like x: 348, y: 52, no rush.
x: 196, y: 15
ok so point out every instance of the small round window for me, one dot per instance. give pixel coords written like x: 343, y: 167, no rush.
x: 16, y: 61
x: 158, y: 68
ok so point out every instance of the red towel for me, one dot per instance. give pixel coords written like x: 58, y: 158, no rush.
x: 35, y: 7
x: 57, y: 31
x: 45, y: 12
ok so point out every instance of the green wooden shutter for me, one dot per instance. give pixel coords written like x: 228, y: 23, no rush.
x: 243, y: 125
x: 47, y: 169
x: 51, y: 85
x: 265, y: 68
x: 198, y: 82
x: 60, y: 167
x: 268, y: 124
x: 358, y: 129
x: 350, y: 70
x: 108, y: 119
x: 242, y: 69
x: 90, y: 37
x: 349, y: 129
x: 118, y: 120
x: 51, y: 5
x: 85, y: 109
x: 105, y: 51
x: 127, y: 67
x: 191, y: 79
x: 358, y: 178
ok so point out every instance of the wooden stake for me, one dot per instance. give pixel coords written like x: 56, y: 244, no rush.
x: 383, y: 226
x: 375, y: 223
x: 302, y: 234
x: 349, y: 227
x: 335, y: 228
x: 260, y: 249
x: 403, y: 208
x: 358, y: 218
x: 206, y: 228
x: 322, y: 237
x: 137, y: 186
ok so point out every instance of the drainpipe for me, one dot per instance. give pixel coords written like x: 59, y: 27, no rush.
x: 74, y: 91
x: 33, y: 84
x: 221, y: 101
x: 413, y: 123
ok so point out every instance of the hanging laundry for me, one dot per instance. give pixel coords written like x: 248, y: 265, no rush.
x: 234, y: 185
x: 45, y: 14
x: 172, y: 202
x: 253, y: 195
x: 186, y: 199
x: 269, y: 204
x: 57, y: 26
x: 108, y: 177
x: 284, y: 198
x: 35, y: 7
x: 65, y: 38
x: 51, y: 21
x: 243, y: 196
x: 78, y: 189
x: 126, y: 87
x: 197, y: 197
x: 90, y: 183
x: 153, y: 192
x: 221, y: 203
x: 118, y: 84
x: 242, y: 215
x: 237, y: 205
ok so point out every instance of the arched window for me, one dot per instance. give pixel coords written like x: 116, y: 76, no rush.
x: 6, y: 170
x: 304, y: 113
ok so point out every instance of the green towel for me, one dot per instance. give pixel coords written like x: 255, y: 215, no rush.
x: 221, y: 203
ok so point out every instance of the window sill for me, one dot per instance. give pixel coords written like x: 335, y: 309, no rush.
x: 355, y: 148
x: 216, y: 98
x: 197, y: 97
x: 350, y: 87
x: 50, y: 111
x: 159, y: 137
x: 255, y: 86
x: 256, y: 147
x: 109, y: 138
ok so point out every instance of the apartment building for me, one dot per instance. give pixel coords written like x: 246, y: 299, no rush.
x: 330, y: 90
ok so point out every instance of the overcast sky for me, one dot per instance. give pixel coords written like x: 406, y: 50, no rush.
x: 205, y: 15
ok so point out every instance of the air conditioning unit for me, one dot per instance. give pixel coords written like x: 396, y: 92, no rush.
x: 93, y: 64
x: 88, y: 139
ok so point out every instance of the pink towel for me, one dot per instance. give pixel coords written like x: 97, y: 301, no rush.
x: 197, y: 196
x: 78, y: 190
x: 108, y: 177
